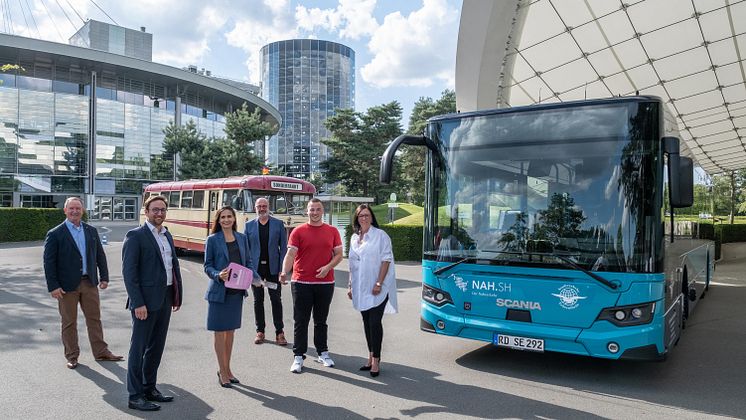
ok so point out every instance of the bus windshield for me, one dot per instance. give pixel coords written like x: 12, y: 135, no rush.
x: 283, y: 203
x: 578, y: 183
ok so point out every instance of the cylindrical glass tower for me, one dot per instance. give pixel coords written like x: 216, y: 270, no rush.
x: 306, y: 80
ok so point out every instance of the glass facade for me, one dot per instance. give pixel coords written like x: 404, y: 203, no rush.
x: 306, y: 80
x: 46, y: 138
x: 114, y: 39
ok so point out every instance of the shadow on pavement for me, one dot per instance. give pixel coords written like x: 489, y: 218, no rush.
x: 296, y: 407
x: 185, y: 404
x: 441, y: 397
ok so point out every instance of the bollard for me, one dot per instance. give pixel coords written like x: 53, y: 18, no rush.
x: 104, y: 239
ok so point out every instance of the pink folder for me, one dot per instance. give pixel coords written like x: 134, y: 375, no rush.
x: 239, y: 277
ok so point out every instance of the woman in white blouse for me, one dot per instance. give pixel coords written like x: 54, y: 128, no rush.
x: 372, y: 286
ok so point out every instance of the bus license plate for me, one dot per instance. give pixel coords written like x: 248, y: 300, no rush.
x: 519, y: 343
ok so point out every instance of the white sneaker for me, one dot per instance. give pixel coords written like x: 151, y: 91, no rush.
x: 297, y: 364
x: 325, y: 359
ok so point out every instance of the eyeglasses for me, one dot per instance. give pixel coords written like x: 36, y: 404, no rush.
x: 363, y: 216
x: 157, y: 210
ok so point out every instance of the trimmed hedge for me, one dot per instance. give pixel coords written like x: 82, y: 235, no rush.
x: 731, y: 233
x: 26, y: 224
x: 405, y: 240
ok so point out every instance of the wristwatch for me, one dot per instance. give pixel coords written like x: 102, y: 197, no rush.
x: 378, y: 283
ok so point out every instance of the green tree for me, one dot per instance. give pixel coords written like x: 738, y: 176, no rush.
x: 200, y: 157
x: 190, y: 144
x: 728, y: 193
x: 245, y: 127
x: 410, y: 170
x: 357, y: 142
x: 561, y: 219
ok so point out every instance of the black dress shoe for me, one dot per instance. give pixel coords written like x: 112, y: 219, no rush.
x: 143, y: 405
x: 235, y: 381
x: 156, y: 395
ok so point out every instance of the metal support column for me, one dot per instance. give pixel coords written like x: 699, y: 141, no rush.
x: 91, y: 185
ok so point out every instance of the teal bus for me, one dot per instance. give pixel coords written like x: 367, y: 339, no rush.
x: 551, y: 228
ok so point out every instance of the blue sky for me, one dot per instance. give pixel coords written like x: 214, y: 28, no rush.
x: 404, y: 49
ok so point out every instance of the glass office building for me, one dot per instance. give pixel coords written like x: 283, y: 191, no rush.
x: 77, y: 121
x: 306, y: 80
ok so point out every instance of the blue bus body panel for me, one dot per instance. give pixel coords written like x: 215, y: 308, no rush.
x: 564, y: 306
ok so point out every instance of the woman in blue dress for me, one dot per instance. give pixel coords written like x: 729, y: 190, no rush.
x: 224, y: 246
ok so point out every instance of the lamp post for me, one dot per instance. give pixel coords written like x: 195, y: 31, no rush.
x: 392, y: 207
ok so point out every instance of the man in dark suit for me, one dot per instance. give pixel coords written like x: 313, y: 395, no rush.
x: 72, y: 255
x: 153, y: 281
x: 268, y: 243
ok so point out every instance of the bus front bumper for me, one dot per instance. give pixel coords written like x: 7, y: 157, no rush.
x: 643, y: 342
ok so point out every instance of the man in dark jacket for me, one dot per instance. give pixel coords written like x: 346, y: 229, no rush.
x: 153, y: 281
x: 73, y: 260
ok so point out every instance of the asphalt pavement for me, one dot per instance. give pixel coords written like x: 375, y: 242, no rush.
x: 422, y: 375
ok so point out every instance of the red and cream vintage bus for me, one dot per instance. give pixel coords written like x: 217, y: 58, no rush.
x: 192, y: 204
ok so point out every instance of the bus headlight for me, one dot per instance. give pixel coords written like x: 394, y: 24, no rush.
x: 625, y: 316
x: 435, y: 296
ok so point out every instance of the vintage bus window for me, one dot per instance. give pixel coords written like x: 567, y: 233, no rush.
x: 233, y: 198
x: 248, y: 201
x: 280, y: 204
x: 165, y: 194
x: 186, y: 199
x: 198, y: 200
x: 173, y: 199
x: 298, y: 203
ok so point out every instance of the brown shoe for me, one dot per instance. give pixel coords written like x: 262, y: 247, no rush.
x: 280, y: 340
x: 259, y: 338
x: 110, y: 357
x: 72, y: 364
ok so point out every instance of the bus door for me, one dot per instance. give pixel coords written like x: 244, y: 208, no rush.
x: 212, y: 207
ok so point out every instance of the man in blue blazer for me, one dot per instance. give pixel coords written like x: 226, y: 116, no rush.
x: 268, y: 243
x: 153, y: 281
x: 72, y: 255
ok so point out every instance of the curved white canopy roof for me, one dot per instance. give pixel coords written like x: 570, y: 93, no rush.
x: 691, y: 53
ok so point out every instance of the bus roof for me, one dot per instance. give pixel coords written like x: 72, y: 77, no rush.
x: 252, y: 182
x: 547, y: 106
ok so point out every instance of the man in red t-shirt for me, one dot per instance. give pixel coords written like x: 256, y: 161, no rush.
x: 314, y: 249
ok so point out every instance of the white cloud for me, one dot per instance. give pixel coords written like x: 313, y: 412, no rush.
x: 252, y: 34
x: 353, y: 19
x: 418, y: 50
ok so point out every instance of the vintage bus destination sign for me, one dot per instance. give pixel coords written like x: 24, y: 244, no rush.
x: 286, y: 185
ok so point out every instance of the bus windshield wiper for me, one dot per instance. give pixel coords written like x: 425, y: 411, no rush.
x: 445, y: 268
x: 562, y: 258
x: 573, y: 264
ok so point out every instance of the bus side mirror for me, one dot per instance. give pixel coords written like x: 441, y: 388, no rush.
x: 685, y: 196
x: 680, y: 175
x: 387, y: 160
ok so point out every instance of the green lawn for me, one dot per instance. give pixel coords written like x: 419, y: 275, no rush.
x: 405, y: 214
x: 738, y: 220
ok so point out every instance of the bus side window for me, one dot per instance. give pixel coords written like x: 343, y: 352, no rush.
x: 198, y: 200
x: 186, y: 199
x: 281, y: 205
x: 174, y: 199
x: 230, y: 198
x: 213, y: 200
x: 248, y: 201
